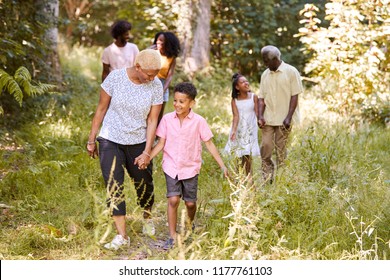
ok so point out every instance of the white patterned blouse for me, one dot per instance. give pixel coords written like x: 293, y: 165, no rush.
x: 125, y: 119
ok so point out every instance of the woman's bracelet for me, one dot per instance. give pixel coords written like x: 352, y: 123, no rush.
x: 91, y: 142
x: 146, y: 153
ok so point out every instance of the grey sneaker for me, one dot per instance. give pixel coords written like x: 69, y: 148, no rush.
x: 117, y: 242
x: 169, y: 244
x: 149, y: 228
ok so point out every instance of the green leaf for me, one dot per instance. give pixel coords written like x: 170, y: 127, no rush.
x: 23, y: 78
x: 14, y: 89
x: 23, y: 73
x: 4, y: 79
x: 8, y: 84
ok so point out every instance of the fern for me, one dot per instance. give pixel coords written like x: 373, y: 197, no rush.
x: 23, y: 78
x: 21, y: 84
x: 8, y: 84
x: 41, y: 88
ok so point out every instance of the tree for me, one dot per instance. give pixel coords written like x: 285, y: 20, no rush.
x: 189, y: 19
x: 24, y: 49
x: 23, y: 36
x: 226, y: 32
x: 239, y: 29
x: 194, y: 31
x: 52, y: 39
x: 351, y: 57
x: 75, y: 9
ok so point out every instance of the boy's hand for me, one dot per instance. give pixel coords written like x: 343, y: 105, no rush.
x: 142, y: 161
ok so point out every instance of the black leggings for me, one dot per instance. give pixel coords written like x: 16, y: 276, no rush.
x: 114, y: 159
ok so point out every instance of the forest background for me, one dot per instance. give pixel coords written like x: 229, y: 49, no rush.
x: 331, y: 201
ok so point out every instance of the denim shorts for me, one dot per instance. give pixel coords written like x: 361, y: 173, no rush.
x: 187, y: 189
x: 166, y: 93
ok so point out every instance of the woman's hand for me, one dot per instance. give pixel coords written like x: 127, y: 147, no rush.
x: 92, y: 149
x: 142, y: 161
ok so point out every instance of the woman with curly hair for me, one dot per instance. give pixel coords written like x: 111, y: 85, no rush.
x: 169, y: 47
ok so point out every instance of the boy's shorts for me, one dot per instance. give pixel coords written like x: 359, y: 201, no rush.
x: 187, y: 189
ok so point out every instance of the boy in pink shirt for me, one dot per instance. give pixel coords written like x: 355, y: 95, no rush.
x: 181, y: 135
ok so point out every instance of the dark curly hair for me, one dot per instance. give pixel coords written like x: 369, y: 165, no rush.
x: 235, y: 78
x: 119, y: 27
x: 186, y: 88
x: 171, y: 44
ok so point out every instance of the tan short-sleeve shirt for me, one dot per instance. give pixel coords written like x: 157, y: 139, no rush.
x: 277, y: 88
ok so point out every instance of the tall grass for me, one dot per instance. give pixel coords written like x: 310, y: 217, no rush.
x: 330, y: 201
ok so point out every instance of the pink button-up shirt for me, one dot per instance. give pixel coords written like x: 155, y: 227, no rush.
x: 183, y: 146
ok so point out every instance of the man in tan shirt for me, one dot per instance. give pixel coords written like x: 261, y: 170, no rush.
x: 280, y: 86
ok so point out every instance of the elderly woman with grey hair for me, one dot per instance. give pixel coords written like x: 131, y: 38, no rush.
x: 129, y: 106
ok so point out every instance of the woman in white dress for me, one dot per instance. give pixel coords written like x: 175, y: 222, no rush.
x: 243, y: 141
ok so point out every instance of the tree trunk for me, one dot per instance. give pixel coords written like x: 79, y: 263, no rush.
x: 194, y: 32
x: 52, y: 37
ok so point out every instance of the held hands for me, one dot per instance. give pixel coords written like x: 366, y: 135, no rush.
x: 261, y: 122
x: 142, y: 160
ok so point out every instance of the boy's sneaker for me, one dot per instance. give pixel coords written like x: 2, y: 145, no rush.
x: 169, y: 244
x: 117, y: 242
x: 148, y: 227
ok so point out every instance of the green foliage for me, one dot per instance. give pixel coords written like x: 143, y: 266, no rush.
x: 23, y: 37
x: 92, y: 27
x: 239, y: 29
x: 331, y: 200
x: 351, y: 56
x: 7, y: 83
x: 24, y: 51
x: 21, y: 85
x: 88, y: 26
x: 236, y: 39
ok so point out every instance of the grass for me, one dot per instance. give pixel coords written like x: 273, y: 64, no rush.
x: 331, y: 200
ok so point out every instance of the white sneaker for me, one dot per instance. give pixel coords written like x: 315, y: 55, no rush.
x: 148, y: 227
x: 117, y: 242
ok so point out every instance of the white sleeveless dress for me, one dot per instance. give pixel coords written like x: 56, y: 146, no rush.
x: 246, y: 142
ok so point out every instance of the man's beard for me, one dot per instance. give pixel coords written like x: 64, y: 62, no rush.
x: 123, y: 41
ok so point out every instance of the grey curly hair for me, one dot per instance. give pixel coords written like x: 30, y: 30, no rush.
x: 149, y: 59
x: 271, y: 52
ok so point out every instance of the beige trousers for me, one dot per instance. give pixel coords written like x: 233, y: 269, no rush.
x: 273, y: 137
